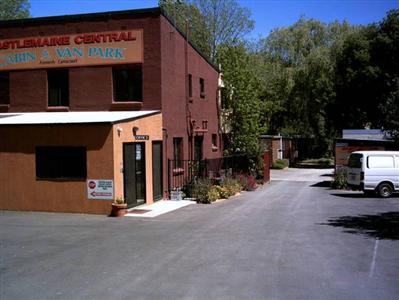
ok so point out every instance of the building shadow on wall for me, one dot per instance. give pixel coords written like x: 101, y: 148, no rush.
x: 382, y: 226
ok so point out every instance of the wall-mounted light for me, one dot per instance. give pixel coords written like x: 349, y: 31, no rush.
x: 135, y: 129
x: 119, y: 130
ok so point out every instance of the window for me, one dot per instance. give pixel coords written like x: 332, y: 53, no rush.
x: 214, y: 140
x: 178, y: 152
x: 202, y: 87
x: 190, y: 85
x: 4, y: 88
x: 58, y: 87
x: 355, y: 160
x: 127, y: 83
x: 380, y: 162
x: 54, y: 162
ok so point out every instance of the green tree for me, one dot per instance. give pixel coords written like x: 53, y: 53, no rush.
x: 367, y: 77
x: 226, y: 20
x: 242, y: 83
x: 189, y: 20
x: 385, y: 55
x: 212, y: 22
x: 300, y: 78
x: 14, y: 9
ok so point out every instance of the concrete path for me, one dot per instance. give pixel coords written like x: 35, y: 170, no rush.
x: 287, y: 240
x: 158, y: 208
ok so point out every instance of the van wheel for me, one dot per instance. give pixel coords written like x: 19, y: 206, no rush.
x: 385, y: 190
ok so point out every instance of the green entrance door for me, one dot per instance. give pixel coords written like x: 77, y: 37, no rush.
x: 134, y: 173
x: 157, y: 169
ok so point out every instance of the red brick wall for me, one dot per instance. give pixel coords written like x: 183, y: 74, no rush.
x: 174, y: 99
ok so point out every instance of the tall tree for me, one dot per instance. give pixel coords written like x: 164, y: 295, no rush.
x: 367, y: 76
x: 14, y: 9
x: 226, y: 21
x: 385, y: 53
x: 300, y: 78
x: 212, y: 22
x: 190, y: 21
x: 242, y: 86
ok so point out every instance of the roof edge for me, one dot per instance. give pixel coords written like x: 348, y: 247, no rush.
x: 136, y: 118
x: 205, y: 57
x: 77, y: 17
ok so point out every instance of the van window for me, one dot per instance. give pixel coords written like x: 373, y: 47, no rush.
x: 380, y: 162
x: 355, y: 160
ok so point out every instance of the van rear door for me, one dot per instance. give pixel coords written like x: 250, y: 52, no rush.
x: 355, y: 169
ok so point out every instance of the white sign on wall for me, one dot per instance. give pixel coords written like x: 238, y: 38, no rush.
x: 100, y: 189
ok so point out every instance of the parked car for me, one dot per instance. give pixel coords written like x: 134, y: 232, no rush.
x: 374, y: 172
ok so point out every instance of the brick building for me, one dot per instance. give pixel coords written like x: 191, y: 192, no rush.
x: 116, y: 62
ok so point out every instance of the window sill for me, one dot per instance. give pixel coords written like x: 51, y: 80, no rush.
x: 190, y: 99
x: 131, y: 105
x: 202, y: 95
x: 64, y: 179
x: 4, y: 107
x: 57, y: 108
x: 214, y: 149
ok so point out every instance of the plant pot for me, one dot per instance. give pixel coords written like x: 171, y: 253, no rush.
x: 118, y: 210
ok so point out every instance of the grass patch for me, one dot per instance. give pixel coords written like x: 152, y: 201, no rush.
x: 280, y: 164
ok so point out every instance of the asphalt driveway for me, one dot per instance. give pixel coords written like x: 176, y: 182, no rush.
x: 287, y: 240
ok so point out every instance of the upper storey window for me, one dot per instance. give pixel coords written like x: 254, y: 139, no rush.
x: 202, y: 87
x: 128, y: 83
x: 190, y: 85
x: 58, y: 87
x: 4, y: 88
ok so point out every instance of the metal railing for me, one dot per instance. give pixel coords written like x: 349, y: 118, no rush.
x: 186, y: 172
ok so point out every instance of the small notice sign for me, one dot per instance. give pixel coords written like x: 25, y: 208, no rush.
x: 141, y: 137
x: 100, y: 189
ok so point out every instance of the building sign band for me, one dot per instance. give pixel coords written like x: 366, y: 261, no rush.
x: 72, y: 50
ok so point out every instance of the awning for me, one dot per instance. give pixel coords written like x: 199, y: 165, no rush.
x: 42, y: 118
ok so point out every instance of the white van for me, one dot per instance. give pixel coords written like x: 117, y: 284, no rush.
x: 374, y: 171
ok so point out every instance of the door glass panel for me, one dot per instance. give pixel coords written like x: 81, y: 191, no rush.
x: 140, y: 173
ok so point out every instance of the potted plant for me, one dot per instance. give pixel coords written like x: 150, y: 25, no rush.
x: 119, y: 207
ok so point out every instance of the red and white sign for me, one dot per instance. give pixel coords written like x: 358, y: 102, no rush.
x: 100, y: 189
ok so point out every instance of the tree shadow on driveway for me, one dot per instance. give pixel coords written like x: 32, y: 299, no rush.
x: 325, y: 183
x: 353, y: 195
x: 362, y: 195
x: 382, y: 226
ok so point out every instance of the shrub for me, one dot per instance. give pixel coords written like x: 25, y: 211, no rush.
x: 280, y: 164
x: 231, y: 186
x: 200, y: 189
x: 340, y: 180
x: 224, y: 193
x: 213, y: 193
